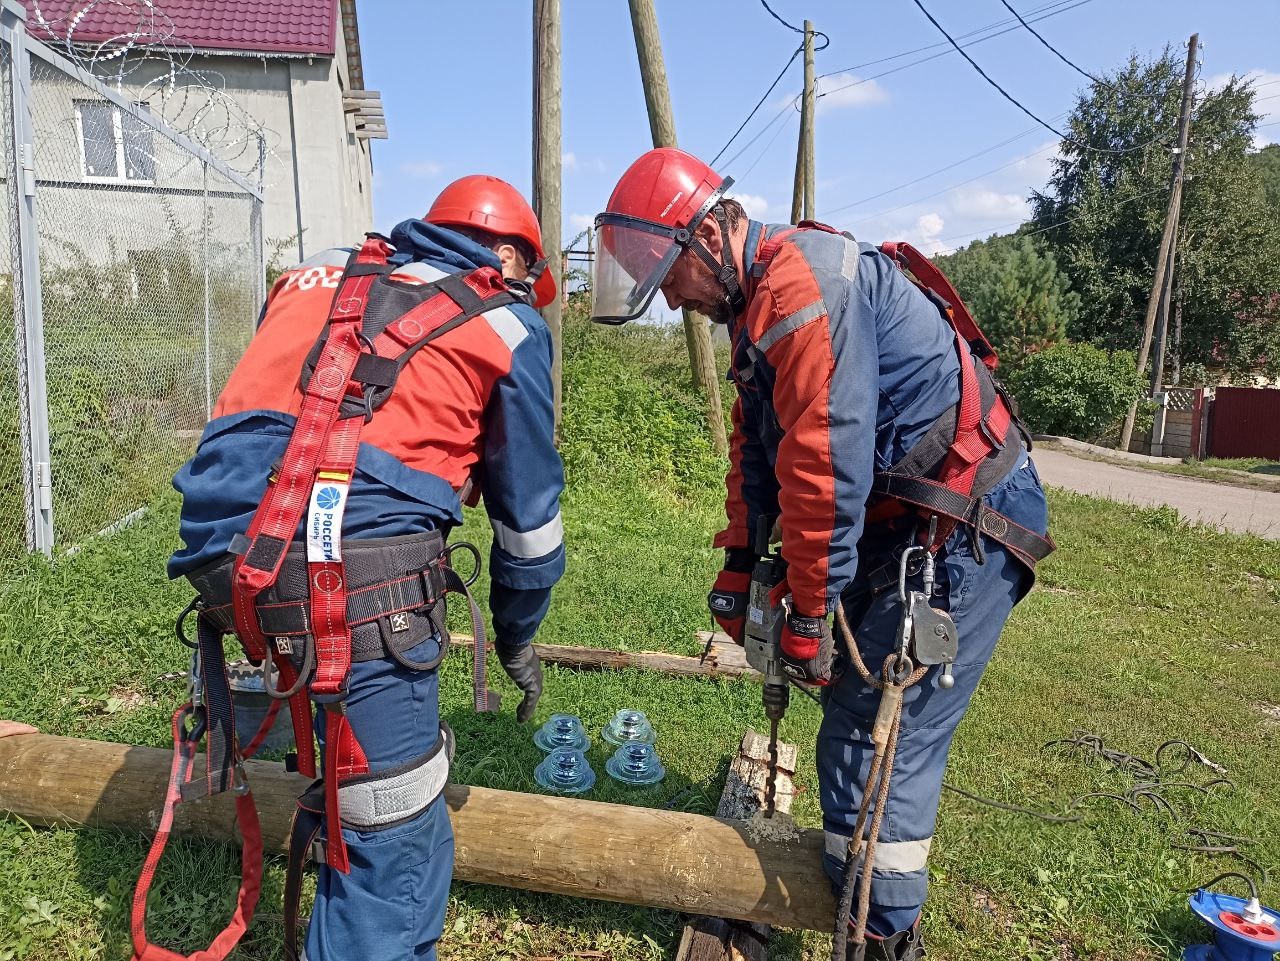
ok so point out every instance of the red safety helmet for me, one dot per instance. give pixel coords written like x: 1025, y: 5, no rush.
x: 493, y: 205
x: 650, y: 220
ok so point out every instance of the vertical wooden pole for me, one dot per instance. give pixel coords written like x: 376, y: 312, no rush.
x: 1170, y: 228
x: 546, y: 165
x: 806, y: 121
x: 657, y: 98
x: 1162, y: 315
x: 802, y: 202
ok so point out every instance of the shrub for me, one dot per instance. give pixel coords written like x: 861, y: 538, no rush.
x: 1076, y: 390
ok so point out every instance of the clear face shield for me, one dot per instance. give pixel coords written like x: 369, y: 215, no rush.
x: 632, y: 259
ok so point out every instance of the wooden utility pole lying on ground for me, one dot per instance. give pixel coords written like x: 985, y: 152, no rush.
x: 724, y: 659
x: 611, y: 852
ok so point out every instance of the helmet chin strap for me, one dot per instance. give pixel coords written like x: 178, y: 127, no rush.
x: 726, y: 272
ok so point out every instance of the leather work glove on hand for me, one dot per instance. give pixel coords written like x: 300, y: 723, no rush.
x: 728, y: 598
x: 808, y: 649
x: 523, y: 666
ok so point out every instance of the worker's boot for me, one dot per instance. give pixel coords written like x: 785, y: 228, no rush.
x: 903, y: 946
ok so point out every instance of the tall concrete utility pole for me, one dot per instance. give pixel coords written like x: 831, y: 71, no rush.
x: 546, y: 166
x: 802, y: 201
x: 1170, y: 228
x: 657, y: 98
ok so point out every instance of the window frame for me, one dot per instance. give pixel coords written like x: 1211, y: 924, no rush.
x: 117, y: 133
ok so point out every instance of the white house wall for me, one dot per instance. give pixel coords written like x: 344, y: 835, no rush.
x: 334, y: 166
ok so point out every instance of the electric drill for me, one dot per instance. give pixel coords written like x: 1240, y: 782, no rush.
x: 762, y: 638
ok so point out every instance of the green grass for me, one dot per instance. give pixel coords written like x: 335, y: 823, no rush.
x: 1142, y: 629
x: 1253, y: 465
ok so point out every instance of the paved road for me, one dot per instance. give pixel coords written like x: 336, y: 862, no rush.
x: 1232, y: 508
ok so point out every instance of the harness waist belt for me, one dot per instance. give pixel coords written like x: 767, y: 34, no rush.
x: 393, y: 601
x: 1028, y: 546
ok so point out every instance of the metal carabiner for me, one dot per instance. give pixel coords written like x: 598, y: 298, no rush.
x: 470, y: 549
x: 179, y: 626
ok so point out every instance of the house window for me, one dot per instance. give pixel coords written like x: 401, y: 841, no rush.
x: 114, y: 144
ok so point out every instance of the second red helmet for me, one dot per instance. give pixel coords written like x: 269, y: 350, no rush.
x: 493, y: 205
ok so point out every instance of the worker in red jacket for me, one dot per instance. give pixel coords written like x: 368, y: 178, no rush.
x: 468, y: 414
x: 862, y: 418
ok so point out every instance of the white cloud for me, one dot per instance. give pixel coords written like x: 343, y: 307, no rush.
x: 925, y: 234
x: 580, y: 221
x: 568, y: 160
x: 1036, y: 168
x: 421, y: 169
x: 983, y: 203
x: 754, y: 205
x: 848, y: 90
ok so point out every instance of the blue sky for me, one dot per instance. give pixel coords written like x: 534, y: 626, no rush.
x: 455, y: 81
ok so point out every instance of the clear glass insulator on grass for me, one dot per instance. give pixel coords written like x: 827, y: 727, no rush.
x: 629, y: 726
x: 565, y: 771
x: 636, y: 763
x: 562, y: 730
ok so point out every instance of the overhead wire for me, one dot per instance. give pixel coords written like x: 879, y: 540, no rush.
x: 1040, y: 230
x: 791, y: 26
x: 1063, y: 5
x: 759, y: 104
x: 949, y: 188
x: 934, y: 56
x: 1066, y: 6
x: 1048, y: 46
x: 934, y: 173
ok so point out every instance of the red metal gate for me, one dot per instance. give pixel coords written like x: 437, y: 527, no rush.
x: 1245, y: 422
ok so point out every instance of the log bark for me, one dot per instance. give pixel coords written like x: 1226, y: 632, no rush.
x: 717, y: 939
x: 657, y: 858
x: 725, y: 658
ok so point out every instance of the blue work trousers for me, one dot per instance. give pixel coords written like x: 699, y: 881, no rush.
x: 979, y: 598
x: 391, y: 906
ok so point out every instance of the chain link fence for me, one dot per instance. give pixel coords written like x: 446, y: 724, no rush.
x: 142, y: 258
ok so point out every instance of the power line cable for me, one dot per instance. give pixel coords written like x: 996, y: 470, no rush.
x: 935, y: 56
x: 1008, y: 96
x: 772, y: 141
x: 763, y: 130
x: 1007, y: 25
x: 934, y: 173
x: 790, y: 26
x: 948, y: 189
x: 1040, y: 230
x: 759, y: 103
x: 1050, y: 47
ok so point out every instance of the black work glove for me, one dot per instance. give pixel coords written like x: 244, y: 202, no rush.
x: 808, y: 649
x: 523, y: 666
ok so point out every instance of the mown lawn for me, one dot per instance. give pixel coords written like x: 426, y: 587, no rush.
x: 1142, y: 629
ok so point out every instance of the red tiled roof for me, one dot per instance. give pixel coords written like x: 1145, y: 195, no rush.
x: 261, y: 26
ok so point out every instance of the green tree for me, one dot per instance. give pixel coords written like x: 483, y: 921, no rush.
x: 1267, y: 162
x: 1017, y: 294
x: 1103, y: 212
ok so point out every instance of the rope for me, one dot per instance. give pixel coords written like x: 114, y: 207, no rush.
x: 898, y: 674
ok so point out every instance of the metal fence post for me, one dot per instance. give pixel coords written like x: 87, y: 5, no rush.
x: 39, y: 485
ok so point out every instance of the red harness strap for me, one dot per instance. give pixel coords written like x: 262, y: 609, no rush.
x: 975, y: 436
x: 184, y: 752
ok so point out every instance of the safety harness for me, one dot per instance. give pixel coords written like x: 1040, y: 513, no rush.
x: 948, y: 470
x: 296, y: 607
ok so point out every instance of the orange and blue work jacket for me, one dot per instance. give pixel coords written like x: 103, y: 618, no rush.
x: 841, y: 365
x: 472, y: 412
